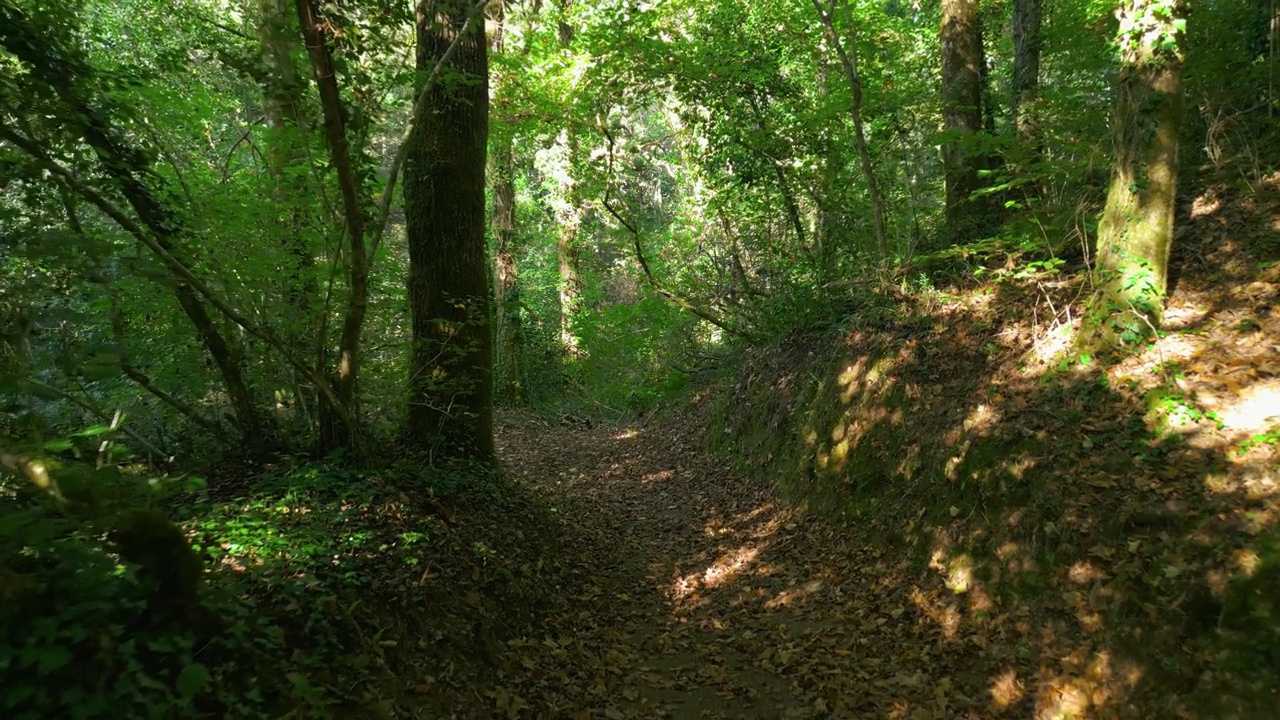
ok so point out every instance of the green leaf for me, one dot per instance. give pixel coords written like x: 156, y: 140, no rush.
x: 192, y: 679
x: 53, y: 658
x: 94, y: 431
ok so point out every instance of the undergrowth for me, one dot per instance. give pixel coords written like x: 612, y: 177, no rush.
x: 320, y: 588
x: 958, y: 425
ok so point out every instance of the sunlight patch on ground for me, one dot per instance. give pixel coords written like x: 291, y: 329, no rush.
x: 1171, y: 348
x: 1055, y: 343
x: 1007, y: 689
x: 1254, y: 410
x: 982, y: 417
x: 656, y: 477
x: 793, y: 595
x: 686, y: 589
x: 946, y: 616
x: 1094, y: 684
x: 1084, y: 572
x: 627, y: 434
x: 729, y: 566
x: 716, y: 527
x: 957, y: 572
x: 1063, y: 700
x: 1206, y: 204
x: 754, y: 514
x: 1181, y: 317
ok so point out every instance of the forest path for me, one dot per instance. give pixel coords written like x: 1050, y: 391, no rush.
x: 708, y: 598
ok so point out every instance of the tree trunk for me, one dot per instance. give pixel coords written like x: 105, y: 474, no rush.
x: 335, y: 432
x: 962, y: 63
x: 568, y: 219
x: 568, y: 251
x: 849, y: 60
x: 282, y: 95
x: 1273, y: 59
x: 450, y: 381
x: 506, y: 282
x: 1136, y: 230
x: 1026, y: 66
x: 508, y: 341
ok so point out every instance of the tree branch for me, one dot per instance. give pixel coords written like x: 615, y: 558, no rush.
x: 675, y: 299
x: 849, y: 61
x: 117, y: 328
x: 179, y: 269
x: 101, y: 413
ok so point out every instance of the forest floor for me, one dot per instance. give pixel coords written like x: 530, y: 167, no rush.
x: 707, y: 597
x: 1146, y: 587
x: 712, y: 599
x: 977, y: 523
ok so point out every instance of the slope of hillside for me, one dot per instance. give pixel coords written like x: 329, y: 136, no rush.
x: 1109, y: 522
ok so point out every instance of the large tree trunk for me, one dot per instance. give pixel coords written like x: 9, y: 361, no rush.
x: 962, y: 69
x: 450, y: 381
x: 1136, y: 230
x: 1026, y: 65
x: 336, y: 427
x: 506, y: 282
x: 508, y: 341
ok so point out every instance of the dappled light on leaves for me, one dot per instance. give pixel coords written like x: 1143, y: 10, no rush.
x: 1007, y: 690
x: 725, y: 569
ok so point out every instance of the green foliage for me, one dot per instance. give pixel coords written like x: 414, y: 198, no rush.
x: 89, y: 633
x: 1270, y: 437
x: 729, y: 156
x: 628, y: 356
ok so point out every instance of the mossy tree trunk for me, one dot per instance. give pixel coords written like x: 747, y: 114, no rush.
x: 1135, y: 232
x: 451, y: 378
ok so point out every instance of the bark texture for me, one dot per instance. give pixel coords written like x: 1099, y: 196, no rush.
x: 451, y: 382
x: 1026, y: 65
x: 508, y: 338
x: 1135, y: 233
x: 962, y: 70
x: 334, y: 432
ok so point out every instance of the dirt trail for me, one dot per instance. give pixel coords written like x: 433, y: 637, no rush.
x: 709, y: 599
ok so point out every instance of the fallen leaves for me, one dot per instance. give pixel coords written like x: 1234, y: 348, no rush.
x: 702, y: 596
